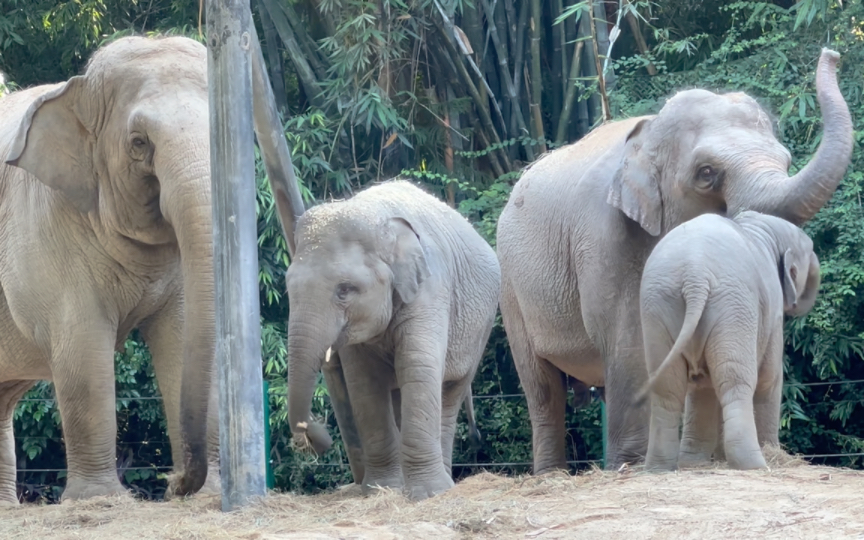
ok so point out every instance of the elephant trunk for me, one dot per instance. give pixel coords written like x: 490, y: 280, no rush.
x: 187, y: 206
x: 811, y: 289
x: 799, y: 198
x: 306, y: 353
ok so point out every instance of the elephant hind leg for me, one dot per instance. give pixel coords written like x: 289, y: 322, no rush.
x: 733, y: 372
x: 702, y: 422
x: 544, y: 388
x: 10, y: 393
x: 452, y: 398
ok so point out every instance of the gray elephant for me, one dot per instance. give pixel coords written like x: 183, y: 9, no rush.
x: 105, y: 226
x: 395, y: 294
x: 581, y: 221
x: 714, y: 283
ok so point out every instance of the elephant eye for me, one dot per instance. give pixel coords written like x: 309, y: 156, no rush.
x: 706, y: 176
x: 139, y: 142
x: 344, y: 289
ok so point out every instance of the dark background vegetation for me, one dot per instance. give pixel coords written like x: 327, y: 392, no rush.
x: 374, y: 88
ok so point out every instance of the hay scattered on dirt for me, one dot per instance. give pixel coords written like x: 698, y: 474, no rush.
x: 790, y: 500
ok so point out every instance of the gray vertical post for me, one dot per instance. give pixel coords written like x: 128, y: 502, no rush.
x: 235, y: 235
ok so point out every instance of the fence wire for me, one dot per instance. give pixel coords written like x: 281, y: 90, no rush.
x: 455, y: 465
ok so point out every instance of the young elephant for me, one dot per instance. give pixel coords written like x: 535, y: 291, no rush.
x: 403, y: 291
x: 721, y: 286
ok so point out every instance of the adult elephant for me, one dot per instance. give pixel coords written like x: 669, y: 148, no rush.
x: 580, y: 223
x: 105, y: 226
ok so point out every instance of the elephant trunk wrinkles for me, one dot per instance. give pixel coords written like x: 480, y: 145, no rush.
x: 800, y: 197
x: 307, y: 347
x: 189, y: 210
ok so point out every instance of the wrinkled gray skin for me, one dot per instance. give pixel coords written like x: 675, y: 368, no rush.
x: 581, y: 221
x: 105, y: 226
x: 404, y: 290
x: 713, y: 295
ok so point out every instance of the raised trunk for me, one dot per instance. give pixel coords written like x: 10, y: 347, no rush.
x: 797, y: 199
x: 189, y: 212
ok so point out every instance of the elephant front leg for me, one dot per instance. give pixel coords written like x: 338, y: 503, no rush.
x: 702, y: 423
x: 163, y: 333
x: 369, y: 382
x: 10, y: 393
x: 82, y: 368
x: 337, y: 388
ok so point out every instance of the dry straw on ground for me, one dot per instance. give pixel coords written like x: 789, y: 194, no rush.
x: 790, y: 500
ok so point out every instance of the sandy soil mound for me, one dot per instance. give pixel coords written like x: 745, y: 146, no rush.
x: 791, y: 500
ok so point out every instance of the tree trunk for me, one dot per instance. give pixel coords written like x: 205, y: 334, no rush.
x: 640, y: 39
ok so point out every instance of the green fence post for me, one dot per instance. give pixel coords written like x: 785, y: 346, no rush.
x: 269, y: 466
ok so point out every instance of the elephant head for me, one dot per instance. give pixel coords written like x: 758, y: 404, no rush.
x: 128, y: 145
x: 705, y: 152
x: 351, y: 270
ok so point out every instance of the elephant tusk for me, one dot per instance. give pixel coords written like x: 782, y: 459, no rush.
x: 327, y: 354
x: 302, y: 425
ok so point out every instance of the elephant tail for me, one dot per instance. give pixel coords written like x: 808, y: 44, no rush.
x: 474, y: 436
x: 695, y: 299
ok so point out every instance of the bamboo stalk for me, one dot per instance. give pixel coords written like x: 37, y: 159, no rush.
x: 601, y: 80
x: 510, y: 10
x: 277, y: 69
x: 589, y: 70
x: 637, y: 35
x: 313, y: 55
x: 485, y: 118
x: 566, y: 110
x: 504, y: 70
x: 601, y: 28
x: 559, y: 63
x: 304, y: 71
x: 536, y: 81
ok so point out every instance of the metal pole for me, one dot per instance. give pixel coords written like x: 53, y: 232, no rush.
x: 238, y: 330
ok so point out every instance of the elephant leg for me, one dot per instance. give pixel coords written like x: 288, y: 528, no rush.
x: 732, y: 366
x: 419, y: 360
x: 544, y: 388
x: 667, y: 403
x: 370, y: 381
x: 452, y: 398
x: 396, y: 397
x: 334, y: 377
x: 10, y: 393
x: 769, y: 392
x: 701, y: 422
x: 627, y: 426
x: 82, y: 368
x: 163, y: 333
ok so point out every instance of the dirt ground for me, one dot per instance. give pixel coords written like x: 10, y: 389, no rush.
x: 791, y: 500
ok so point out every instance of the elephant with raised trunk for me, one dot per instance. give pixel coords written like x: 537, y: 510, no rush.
x: 105, y: 226
x: 395, y: 294
x: 713, y: 295
x: 581, y: 221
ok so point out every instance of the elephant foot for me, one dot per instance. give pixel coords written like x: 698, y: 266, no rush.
x: 419, y: 490
x: 213, y: 484
x: 78, y: 489
x: 693, y: 459
x: 373, y: 483
x: 350, y: 490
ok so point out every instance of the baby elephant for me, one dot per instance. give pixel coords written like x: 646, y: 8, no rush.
x: 721, y: 286
x: 395, y: 293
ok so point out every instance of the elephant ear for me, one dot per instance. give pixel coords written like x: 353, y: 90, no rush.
x: 635, y: 189
x: 789, y: 273
x: 54, y: 145
x: 409, y: 265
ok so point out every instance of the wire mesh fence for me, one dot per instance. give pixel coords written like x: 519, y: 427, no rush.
x: 468, y: 465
